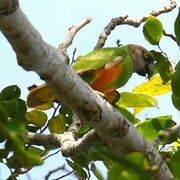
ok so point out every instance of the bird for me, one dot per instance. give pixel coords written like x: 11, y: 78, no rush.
x: 105, y: 70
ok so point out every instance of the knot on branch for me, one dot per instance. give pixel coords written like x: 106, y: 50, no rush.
x: 8, y: 7
x: 121, y: 130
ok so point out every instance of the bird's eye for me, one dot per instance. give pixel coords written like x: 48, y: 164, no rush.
x: 146, y: 55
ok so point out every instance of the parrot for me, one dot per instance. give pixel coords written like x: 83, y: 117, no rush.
x: 105, y: 70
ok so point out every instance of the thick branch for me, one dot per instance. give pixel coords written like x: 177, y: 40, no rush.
x: 111, y: 126
x: 122, y: 20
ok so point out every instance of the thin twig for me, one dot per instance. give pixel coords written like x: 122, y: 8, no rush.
x: 170, y: 35
x: 51, y: 154
x: 54, y: 171
x: 71, y: 34
x: 162, y: 52
x: 136, y: 23
x: 65, y: 175
x: 54, y: 113
x: 73, y: 57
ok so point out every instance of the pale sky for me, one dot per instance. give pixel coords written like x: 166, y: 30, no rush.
x: 53, y: 18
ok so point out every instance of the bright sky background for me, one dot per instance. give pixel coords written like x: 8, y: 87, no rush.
x: 53, y: 18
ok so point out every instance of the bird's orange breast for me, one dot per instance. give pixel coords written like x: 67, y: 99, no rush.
x: 105, y: 77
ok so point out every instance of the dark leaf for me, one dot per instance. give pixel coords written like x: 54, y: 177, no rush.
x: 10, y: 92
x: 177, y: 27
x: 175, y: 84
x: 163, y: 66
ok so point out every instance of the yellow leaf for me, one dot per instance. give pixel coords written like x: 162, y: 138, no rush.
x: 138, y: 110
x: 45, y: 106
x: 176, y: 144
x: 154, y: 87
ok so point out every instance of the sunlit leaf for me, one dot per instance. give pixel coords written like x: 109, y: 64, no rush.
x: 153, y: 87
x: 128, y: 99
x: 177, y: 27
x: 151, y: 126
x: 38, y: 118
x: 57, y: 124
x: 177, y: 143
x: 153, y: 30
x: 10, y: 92
x: 163, y: 66
x: 138, y: 110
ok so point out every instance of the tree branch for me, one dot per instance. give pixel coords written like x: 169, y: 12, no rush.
x: 122, y: 20
x: 69, y: 146
x: 167, y: 134
x: 111, y: 126
x: 72, y: 32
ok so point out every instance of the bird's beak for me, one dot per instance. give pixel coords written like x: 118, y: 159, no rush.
x: 150, y: 70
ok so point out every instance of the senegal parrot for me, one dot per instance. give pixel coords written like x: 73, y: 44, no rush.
x: 105, y: 70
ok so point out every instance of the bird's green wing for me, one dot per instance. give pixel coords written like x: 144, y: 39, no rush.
x: 98, y: 58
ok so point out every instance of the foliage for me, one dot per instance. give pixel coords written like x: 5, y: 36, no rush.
x: 16, y: 120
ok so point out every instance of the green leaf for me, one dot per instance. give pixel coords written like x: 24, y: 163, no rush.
x: 67, y: 113
x: 35, y: 150
x: 151, y: 126
x: 26, y: 160
x: 128, y: 115
x: 176, y: 101
x: 57, y: 124
x: 38, y: 118
x: 127, y: 167
x: 174, y: 163
x: 3, y: 113
x: 175, y: 84
x: 177, y: 28
x: 10, y: 92
x: 153, y: 30
x: 79, y: 170
x: 96, y: 172
x: 114, y: 172
x: 84, y: 129
x: 128, y: 99
x: 44, y: 106
x: 3, y: 153
x: 163, y: 65
x: 11, y: 107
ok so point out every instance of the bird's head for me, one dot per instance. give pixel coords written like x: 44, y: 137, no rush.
x: 143, y: 60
